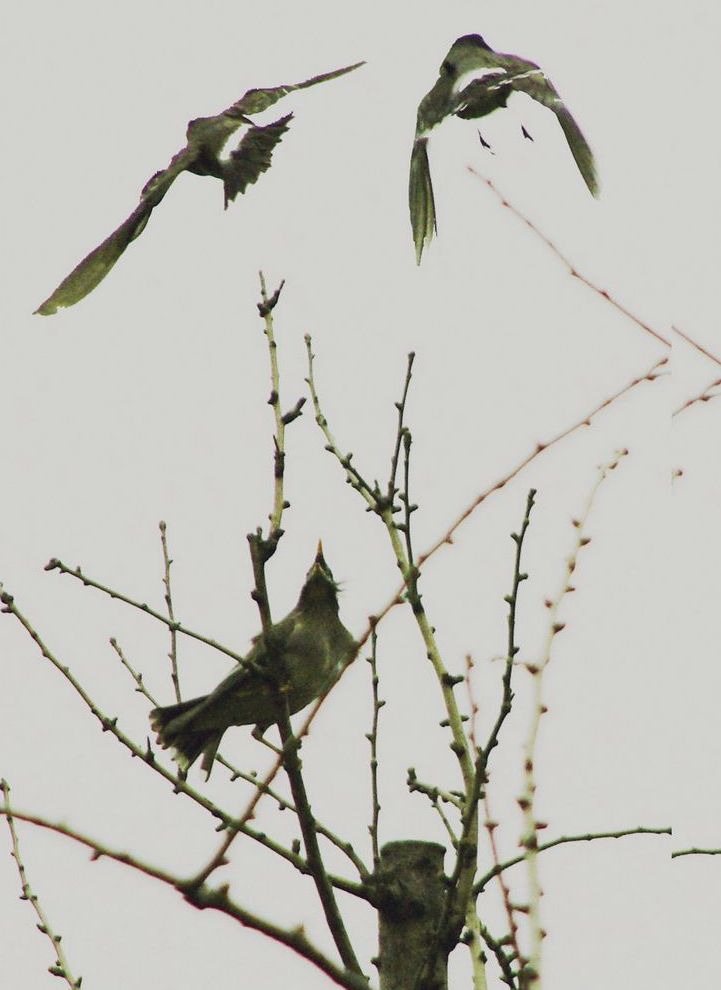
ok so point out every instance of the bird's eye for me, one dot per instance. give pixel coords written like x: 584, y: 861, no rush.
x: 448, y: 67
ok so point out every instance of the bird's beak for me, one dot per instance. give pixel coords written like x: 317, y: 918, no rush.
x: 319, y: 558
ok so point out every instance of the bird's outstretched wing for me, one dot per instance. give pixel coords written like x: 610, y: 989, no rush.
x: 420, y: 197
x: 534, y: 82
x: 206, y: 138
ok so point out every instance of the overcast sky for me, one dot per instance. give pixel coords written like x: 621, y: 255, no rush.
x: 147, y: 401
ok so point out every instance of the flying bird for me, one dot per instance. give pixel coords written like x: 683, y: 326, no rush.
x: 299, y: 658
x: 202, y: 155
x: 453, y: 95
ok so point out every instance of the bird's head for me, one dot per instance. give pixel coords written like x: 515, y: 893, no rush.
x: 320, y: 588
x: 463, y: 54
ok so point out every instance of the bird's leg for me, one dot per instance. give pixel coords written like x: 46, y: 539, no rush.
x: 257, y: 734
x: 485, y: 143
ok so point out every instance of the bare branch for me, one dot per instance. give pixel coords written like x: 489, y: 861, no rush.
x: 564, y: 840
x: 61, y: 967
x: 372, y: 738
x: 57, y: 565
x: 173, y: 655
x: 694, y: 851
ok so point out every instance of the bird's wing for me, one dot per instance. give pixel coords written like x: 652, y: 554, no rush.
x: 258, y: 100
x: 530, y: 79
x: 90, y: 272
x: 420, y: 197
x: 252, y: 157
x: 206, y: 137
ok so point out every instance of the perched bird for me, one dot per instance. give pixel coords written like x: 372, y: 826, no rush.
x: 502, y: 75
x: 300, y: 657
x: 202, y: 155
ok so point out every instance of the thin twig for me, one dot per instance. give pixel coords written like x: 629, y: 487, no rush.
x: 702, y: 350
x: 281, y: 420
x: 61, y: 967
x: 704, y: 396
x: 401, y: 407
x: 135, y: 674
x: 435, y: 795
x: 432, y: 791
x: 531, y: 968
x: 371, y: 495
x: 564, y: 840
x: 283, y: 803
x: 173, y: 655
x: 694, y: 851
x: 372, y: 738
x: 484, y: 754
x: 57, y: 565
x: 262, y: 548
x: 571, y: 268
x: 472, y: 703
x: 491, y: 825
x: 512, y: 648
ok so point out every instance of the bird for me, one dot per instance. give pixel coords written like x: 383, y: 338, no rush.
x: 202, y: 155
x: 502, y: 75
x: 301, y: 657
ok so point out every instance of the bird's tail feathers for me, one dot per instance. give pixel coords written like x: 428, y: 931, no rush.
x: 579, y: 149
x: 176, y: 732
x: 420, y: 198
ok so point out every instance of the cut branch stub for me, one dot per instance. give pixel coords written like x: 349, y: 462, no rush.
x: 410, y: 894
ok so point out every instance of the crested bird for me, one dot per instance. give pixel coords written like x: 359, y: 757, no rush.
x: 502, y: 75
x: 299, y: 658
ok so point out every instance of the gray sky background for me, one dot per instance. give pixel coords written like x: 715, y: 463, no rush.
x: 147, y: 401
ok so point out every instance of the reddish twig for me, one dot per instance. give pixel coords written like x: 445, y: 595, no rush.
x: 571, y: 268
x: 491, y: 827
x: 706, y: 394
x: 699, y: 347
x: 447, y: 537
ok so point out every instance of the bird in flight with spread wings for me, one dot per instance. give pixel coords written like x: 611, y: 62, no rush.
x: 202, y: 155
x: 497, y: 76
